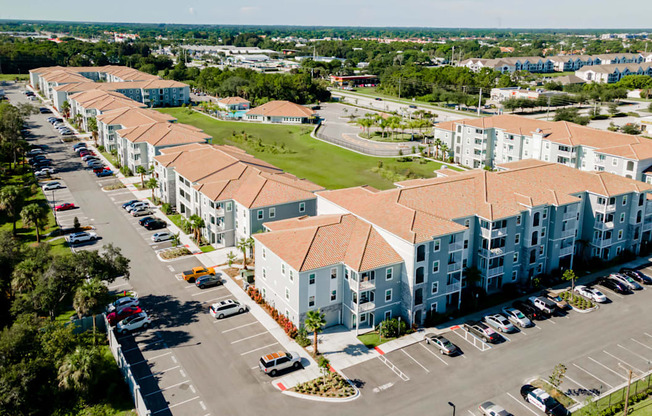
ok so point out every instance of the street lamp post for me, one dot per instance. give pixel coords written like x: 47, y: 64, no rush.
x: 451, y: 404
x: 54, y: 209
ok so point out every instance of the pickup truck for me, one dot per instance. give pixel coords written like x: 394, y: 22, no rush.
x: 191, y: 275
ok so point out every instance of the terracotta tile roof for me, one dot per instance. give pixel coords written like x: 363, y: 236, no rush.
x: 104, y: 100
x: 233, y: 100
x: 564, y: 133
x: 123, y: 72
x: 609, y: 68
x: 309, y: 243
x: 164, y: 134
x: 86, y: 85
x: 426, y: 208
x: 131, y: 117
x: 281, y: 109
x: 63, y: 77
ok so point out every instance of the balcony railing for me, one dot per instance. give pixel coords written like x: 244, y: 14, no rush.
x: 494, y: 252
x: 648, y: 209
x: 604, y: 226
x: 454, y: 267
x: 567, y: 233
x: 453, y: 287
x: 647, y: 226
x: 570, y: 215
x: 365, y: 284
x: 495, y: 271
x: 566, y: 251
x: 367, y: 306
x: 496, y: 232
x: 456, y: 246
x: 610, y: 208
x: 602, y: 243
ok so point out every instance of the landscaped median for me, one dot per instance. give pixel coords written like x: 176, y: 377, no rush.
x: 330, y: 387
x: 577, y: 302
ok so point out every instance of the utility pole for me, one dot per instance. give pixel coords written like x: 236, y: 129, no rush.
x: 548, y: 113
x: 479, y: 101
x: 399, y: 87
x: 629, y: 383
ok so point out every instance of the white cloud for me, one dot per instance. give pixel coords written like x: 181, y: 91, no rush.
x: 191, y: 10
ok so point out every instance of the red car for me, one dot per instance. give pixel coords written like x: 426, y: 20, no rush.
x: 117, y: 316
x: 64, y: 207
x: 99, y: 170
x: 86, y: 153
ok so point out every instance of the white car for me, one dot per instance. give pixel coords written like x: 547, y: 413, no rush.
x: 226, y: 308
x: 517, y: 317
x: 272, y: 363
x: 52, y: 186
x: 162, y: 236
x: 591, y: 293
x: 137, y: 205
x: 35, y: 152
x: 499, y: 322
x: 134, y: 322
x: 491, y: 409
x: 81, y: 237
x: 46, y: 169
x: 139, y: 211
x: 122, y: 302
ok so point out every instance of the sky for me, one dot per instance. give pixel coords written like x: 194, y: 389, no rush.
x: 379, y: 13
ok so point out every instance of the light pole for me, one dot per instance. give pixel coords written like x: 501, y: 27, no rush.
x: 54, y: 209
x: 451, y: 404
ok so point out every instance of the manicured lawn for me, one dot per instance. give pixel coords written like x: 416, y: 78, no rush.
x: 207, y: 248
x: 292, y: 149
x: 178, y: 220
x: 65, y: 316
x: 110, y: 158
x: 643, y: 408
x: 12, y: 77
x: 372, y: 339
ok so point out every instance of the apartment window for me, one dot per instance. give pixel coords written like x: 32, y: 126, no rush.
x: 620, y: 234
x: 261, y: 214
x: 518, y: 220
x: 539, y: 268
x: 291, y: 276
x: 346, y: 274
x: 625, y: 200
x: 264, y: 252
x: 467, y: 223
x: 535, y: 220
x: 517, y: 238
x: 515, y: 257
x: 272, y: 213
x: 283, y: 269
x: 287, y: 293
x: 541, y: 250
x: 389, y: 273
x: 614, y: 162
x: 334, y: 273
x: 433, y: 307
x: 229, y: 206
x: 264, y: 273
x: 311, y: 301
x: 311, y: 279
x: 388, y: 295
x: 466, y: 244
x: 435, y: 266
x: 436, y: 245
x: 543, y: 232
x: 641, y: 198
x: 622, y: 217
x: 545, y: 214
x: 419, y: 276
x: 302, y: 207
x: 435, y: 288
x: 514, y: 275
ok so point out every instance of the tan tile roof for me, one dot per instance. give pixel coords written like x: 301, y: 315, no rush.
x: 131, y: 117
x: 87, y: 85
x: 427, y: 208
x: 63, y: 77
x: 104, y: 100
x: 281, y: 109
x: 309, y: 243
x: 233, y: 100
x: 609, y: 68
x: 123, y: 72
x: 164, y: 134
x: 564, y: 133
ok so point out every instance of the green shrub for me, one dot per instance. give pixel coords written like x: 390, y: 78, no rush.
x: 302, y: 337
x: 166, y: 208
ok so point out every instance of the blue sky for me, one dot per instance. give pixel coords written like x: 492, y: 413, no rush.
x: 428, y: 13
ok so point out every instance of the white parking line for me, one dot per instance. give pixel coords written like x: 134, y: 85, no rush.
x: 252, y: 336
x: 622, y: 361
x: 435, y: 355
x: 117, y: 286
x: 412, y: 358
x: 641, y: 344
x: 607, y: 368
x: 600, y: 380
x: 473, y: 414
x: 165, y: 388
x: 176, y: 404
x: 551, y: 321
x: 207, y: 291
x: 214, y: 299
x: 647, y: 334
x: 160, y: 355
x: 238, y: 327
x: 258, y: 349
x: 161, y: 372
x: 522, y: 404
x: 632, y: 352
x: 193, y: 390
x: 590, y: 391
x: 203, y: 406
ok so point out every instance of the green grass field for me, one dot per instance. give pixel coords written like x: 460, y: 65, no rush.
x: 12, y: 77
x: 292, y: 149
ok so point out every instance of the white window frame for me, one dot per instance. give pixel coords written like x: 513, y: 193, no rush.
x: 515, y: 257
x: 434, y: 288
x: 283, y: 269
x: 333, y: 293
x: 620, y: 234
x: 436, y: 245
x: 264, y: 253
x: 313, y: 301
x: 389, y: 273
x: 287, y: 293
x: 517, y: 238
x: 291, y: 275
x: 272, y: 212
x: 261, y: 214
x: 333, y: 269
x: 302, y: 207
x: 388, y: 292
x: 264, y: 273
x: 622, y: 217
x: 435, y: 266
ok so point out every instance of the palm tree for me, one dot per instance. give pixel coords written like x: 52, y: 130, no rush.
x: 196, y: 224
x: 152, y: 184
x: 34, y: 215
x: 140, y: 169
x: 176, y: 240
x: 89, y: 296
x: 444, y: 152
x: 65, y: 109
x: 23, y: 275
x: 78, y: 369
x: 11, y: 201
x: 437, y: 144
x: 242, y: 245
x: 315, y: 322
x: 92, y: 127
x: 251, y: 244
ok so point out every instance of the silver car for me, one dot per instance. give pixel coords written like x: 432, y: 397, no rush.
x: 517, y: 317
x: 226, y: 308
x: 491, y: 409
x: 626, y: 280
x: 500, y: 323
x: 140, y: 211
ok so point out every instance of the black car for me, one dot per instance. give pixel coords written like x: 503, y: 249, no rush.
x: 145, y: 220
x: 208, y: 281
x: 45, y: 110
x: 128, y: 203
x: 41, y: 164
x: 529, y: 310
x: 614, y: 285
x: 155, y: 224
x: 637, y: 275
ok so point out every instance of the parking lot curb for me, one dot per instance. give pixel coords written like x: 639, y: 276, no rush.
x: 596, y: 307
x: 323, y: 399
x: 158, y: 255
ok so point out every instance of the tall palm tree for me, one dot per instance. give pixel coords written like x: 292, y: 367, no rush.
x: 34, y: 215
x: 11, y: 201
x: 78, y: 369
x: 140, y: 169
x: 242, y: 245
x: 89, y: 296
x: 92, y: 127
x: 315, y: 322
x: 24, y: 274
x: 444, y: 152
x: 152, y: 184
x: 196, y: 224
x: 65, y: 109
x: 437, y: 144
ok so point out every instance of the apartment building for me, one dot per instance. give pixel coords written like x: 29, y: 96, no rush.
x: 93, y: 103
x: 233, y: 104
x: 233, y: 192
x: 490, y: 141
x: 550, y: 64
x: 137, y: 146
x: 613, y: 72
x: 372, y: 255
x: 280, y: 112
x: 122, y: 118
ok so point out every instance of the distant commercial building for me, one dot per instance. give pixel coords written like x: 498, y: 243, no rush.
x: 499, y: 95
x: 352, y: 81
x: 280, y: 112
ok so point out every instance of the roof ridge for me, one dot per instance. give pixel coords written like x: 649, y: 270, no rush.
x: 366, y: 244
x: 312, y: 241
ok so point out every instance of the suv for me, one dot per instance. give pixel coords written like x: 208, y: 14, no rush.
x: 272, y: 363
x: 81, y: 237
x: 528, y: 310
x: 546, y: 305
x: 442, y: 344
x: 208, y: 281
x: 135, y: 205
x: 482, y: 331
x: 225, y: 308
x: 554, y: 296
x: 122, y: 302
x: 543, y: 401
x: 155, y: 224
x: 134, y: 322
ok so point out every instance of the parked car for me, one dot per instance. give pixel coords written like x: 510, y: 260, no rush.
x: 196, y: 272
x: 554, y: 296
x: 273, y: 363
x: 79, y: 146
x: 65, y: 206
x: 104, y: 172
x: 35, y: 152
x: 529, y: 310
x: 626, y: 280
x: 81, y: 237
x: 162, y: 236
x: 546, y: 306
x: 542, y: 400
x: 134, y: 322
x: 483, y: 332
x: 226, y: 308
x: 145, y: 220
x: 442, y: 344
x: 140, y: 211
x: 615, y: 285
x: 88, y: 157
x: 491, y: 409
x: 128, y: 203
x: 591, y: 293
x: 47, y: 170
x: 121, y: 313
x: 50, y: 186
x: 637, y: 275
x: 122, y: 302
x: 45, y: 110
x: 517, y: 317
x: 98, y: 170
x: 41, y: 174
x: 139, y: 204
x: 208, y: 281
x: 156, y: 225
x: 499, y: 322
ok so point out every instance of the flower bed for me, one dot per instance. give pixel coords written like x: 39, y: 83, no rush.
x: 281, y: 319
x: 577, y: 301
x: 175, y: 252
x: 115, y: 185
x: 330, y: 385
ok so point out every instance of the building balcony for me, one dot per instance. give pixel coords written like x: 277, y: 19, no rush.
x: 648, y: 209
x: 454, y: 267
x: 566, y: 251
x: 602, y: 242
x: 219, y: 212
x: 365, y: 284
x: 455, y: 246
x: 453, y: 287
x: 366, y: 307
x: 570, y: 215
x: 568, y: 233
x: 604, y: 226
x: 609, y: 208
x: 494, y: 252
x: 647, y: 225
x: 495, y: 271
x: 496, y: 232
